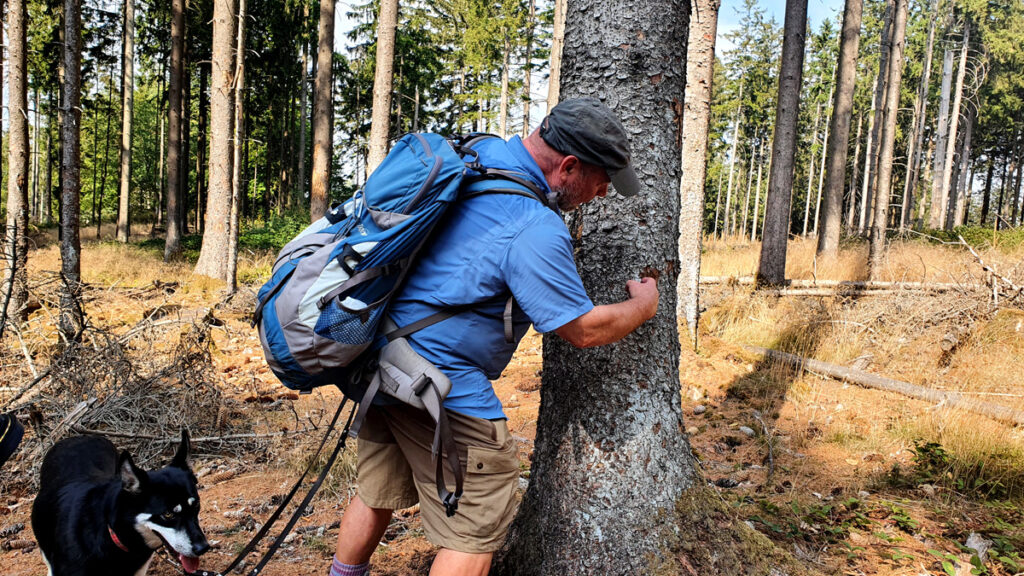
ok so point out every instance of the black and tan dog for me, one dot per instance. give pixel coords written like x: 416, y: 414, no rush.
x: 98, y: 514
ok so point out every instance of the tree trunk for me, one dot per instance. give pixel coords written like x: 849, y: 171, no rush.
x: 700, y: 59
x: 380, y: 122
x: 503, y: 102
x: 202, y: 142
x: 48, y: 186
x: 555, y: 60
x: 963, y: 180
x: 757, y: 194
x: 98, y: 202
x: 851, y: 209
x: 573, y: 521
x: 718, y: 204
x: 772, y: 266
x: 821, y: 167
x: 988, y: 191
x: 172, y: 245
x: 323, y: 107
x: 236, y: 147
x: 746, y: 196
x: 213, y: 256
x: 917, y: 131
x: 810, y: 169
x: 16, y: 238
x: 865, y: 187
x: 127, y: 101
x: 958, y: 94
x: 838, y: 143
x: 36, y: 205
x: 737, y: 118
x: 938, y: 168
x: 888, y: 140
x: 158, y: 212
x: 528, y: 68
x: 878, y: 104
x: 71, y: 315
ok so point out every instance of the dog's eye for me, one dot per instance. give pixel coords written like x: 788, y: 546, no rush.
x: 169, y: 515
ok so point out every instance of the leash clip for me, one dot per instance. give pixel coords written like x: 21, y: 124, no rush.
x: 451, y: 504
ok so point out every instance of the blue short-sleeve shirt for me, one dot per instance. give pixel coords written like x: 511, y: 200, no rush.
x: 488, y: 248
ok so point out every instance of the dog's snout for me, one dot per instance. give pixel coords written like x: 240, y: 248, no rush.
x: 200, y: 548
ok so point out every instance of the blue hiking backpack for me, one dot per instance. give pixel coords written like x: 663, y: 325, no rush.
x: 325, y: 304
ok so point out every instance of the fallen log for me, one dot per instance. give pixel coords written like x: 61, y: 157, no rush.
x: 867, y: 380
x: 854, y: 284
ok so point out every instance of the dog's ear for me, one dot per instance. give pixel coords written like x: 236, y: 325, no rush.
x: 180, y: 459
x: 133, y: 478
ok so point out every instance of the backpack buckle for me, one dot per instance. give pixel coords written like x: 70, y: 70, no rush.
x: 451, y: 504
x: 421, y: 384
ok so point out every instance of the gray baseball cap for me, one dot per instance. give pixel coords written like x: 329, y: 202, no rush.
x: 587, y: 129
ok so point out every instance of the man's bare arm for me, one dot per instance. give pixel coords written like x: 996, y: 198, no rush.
x: 612, y: 322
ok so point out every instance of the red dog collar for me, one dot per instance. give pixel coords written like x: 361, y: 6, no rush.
x: 117, y: 542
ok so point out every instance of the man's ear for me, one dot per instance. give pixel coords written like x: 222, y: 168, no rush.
x: 180, y: 459
x: 133, y: 478
x: 569, y: 165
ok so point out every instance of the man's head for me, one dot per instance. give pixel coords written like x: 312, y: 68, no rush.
x: 590, y: 150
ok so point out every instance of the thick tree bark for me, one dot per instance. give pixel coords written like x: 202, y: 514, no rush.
x: 772, y: 267
x: 951, y: 141
x: 938, y: 164
x: 917, y: 132
x: 838, y: 141
x: 322, y: 114
x: 127, y: 101
x: 380, y: 125
x: 555, y: 60
x: 700, y: 59
x: 16, y: 238
x: 172, y: 245
x: 616, y: 408
x: 213, y: 256
x: 887, y: 144
x: 71, y: 316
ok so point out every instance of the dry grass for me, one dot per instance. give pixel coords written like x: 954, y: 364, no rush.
x: 896, y: 335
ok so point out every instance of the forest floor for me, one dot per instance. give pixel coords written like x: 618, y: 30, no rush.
x: 847, y: 479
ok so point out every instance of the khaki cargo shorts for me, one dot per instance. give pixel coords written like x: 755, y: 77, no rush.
x: 396, y: 471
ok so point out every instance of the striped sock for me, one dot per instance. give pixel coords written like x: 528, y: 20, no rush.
x: 340, y: 569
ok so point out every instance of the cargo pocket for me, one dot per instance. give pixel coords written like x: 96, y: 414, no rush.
x: 489, y: 500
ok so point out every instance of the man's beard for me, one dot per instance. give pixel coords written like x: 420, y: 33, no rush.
x: 569, y: 196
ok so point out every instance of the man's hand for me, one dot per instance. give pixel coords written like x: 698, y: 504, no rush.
x: 645, y: 294
x: 611, y: 322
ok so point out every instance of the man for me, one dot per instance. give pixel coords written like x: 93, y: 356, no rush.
x: 490, y: 247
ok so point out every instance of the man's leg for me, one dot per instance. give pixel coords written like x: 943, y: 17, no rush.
x: 451, y: 563
x: 361, y: 529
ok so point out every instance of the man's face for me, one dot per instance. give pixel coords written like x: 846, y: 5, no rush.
x: 580, y: 186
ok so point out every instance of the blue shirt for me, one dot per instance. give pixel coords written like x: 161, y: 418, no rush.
x: 488, y: 248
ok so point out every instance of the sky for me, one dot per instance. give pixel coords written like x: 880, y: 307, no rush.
x: 729, y: 15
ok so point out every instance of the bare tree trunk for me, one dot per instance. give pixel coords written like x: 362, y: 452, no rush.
x: 555, y: 60
x: 917, y: 131
x: 127, y: 103
x: 1015, y: 198
x: 172, y: 245
x: 757, y: 195
x: 48, y: 186
x: 958, y: 94
x: 963, y: 181
x: 838, y: 141
x: 810, y: 169
x: 322, y: 114
x: 938, y: 169
x: 888, y: 140
x: 772, y: 266
x: 71, y: 316
x: 746, y: 197
x: 37, y: 200
x: 878, y: 104
x: 700, y: 58
x: 236, y: 147
x: 851, y: 209
x: 503, y: 102
x: 387, y: 20
x: 821, y: 168
x: 98, y: 203
x: 865, y: 188
x: 213, y: 256
x: 737, y: 118
x: 158, y: 212
x: 718, y: 203
x: 16, y: 238
x: 527, y: 68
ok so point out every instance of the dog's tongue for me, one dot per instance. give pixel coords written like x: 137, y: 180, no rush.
x: 189, y: 563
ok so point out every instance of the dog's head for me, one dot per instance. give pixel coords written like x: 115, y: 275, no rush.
x: 165, y: 505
